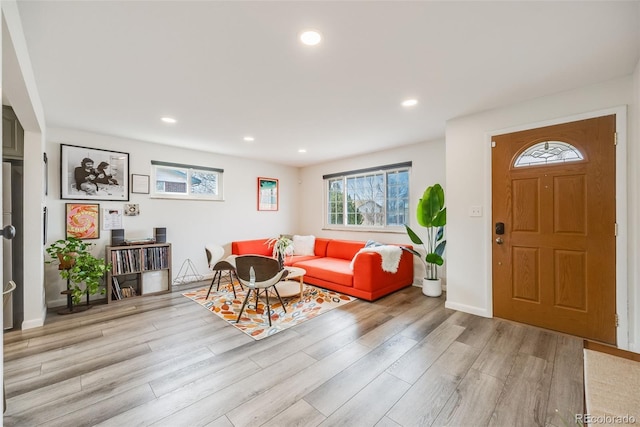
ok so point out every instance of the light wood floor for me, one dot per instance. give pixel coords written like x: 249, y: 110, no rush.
x: 404, y: 360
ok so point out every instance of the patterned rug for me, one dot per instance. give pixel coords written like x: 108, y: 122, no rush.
x: 254, y: 321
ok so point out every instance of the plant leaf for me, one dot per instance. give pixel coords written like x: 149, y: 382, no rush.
x: 440, y: 248
x: 410, y: 250
x: 434, y: 258
x: 421, y: 213
x: 440, y: 220
x: 413, y: 236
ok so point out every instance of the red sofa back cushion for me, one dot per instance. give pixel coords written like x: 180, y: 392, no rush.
x: 253, y: 247
x: 320, y: 249
x: 343, y: 249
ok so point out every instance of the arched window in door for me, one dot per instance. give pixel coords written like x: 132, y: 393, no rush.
x: 548, y: 152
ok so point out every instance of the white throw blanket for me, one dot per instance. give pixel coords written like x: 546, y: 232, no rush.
x: 390, y: 256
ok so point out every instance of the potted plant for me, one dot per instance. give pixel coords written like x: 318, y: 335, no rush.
x: 282, y: 246
x: 431, y: 214
x: 66, y: 251
x: 79, y: 266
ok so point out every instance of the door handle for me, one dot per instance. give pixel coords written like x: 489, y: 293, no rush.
x: 499, y: 240
x: 8, y: 232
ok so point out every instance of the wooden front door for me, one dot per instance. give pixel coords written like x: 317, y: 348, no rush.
x: 554, y: 264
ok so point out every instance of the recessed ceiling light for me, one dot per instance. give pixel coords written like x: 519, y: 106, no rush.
x: 409, y: 102
x: 310, y: 38
x: 249, y: 138
x: 169, y: 120
x: 302, y: 150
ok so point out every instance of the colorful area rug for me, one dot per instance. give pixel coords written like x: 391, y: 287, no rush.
x: 254, y: 321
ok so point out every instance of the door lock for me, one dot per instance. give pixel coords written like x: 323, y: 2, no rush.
x: 499, y: 227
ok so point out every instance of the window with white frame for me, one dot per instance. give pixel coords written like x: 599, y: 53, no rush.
x: 179, y: 181
x: 372, y: 198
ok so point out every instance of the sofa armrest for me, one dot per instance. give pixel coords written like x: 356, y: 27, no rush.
x: 369, y: 276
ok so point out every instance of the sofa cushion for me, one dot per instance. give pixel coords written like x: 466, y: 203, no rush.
x: 293, y: 259
x: 304, y: 245
x: 330, y: 269
x: 343, y: 249
x: 321, y: 246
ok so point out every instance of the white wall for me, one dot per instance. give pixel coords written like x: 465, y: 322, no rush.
x: 20, y: 89
x: 634, y: 214
x: 468, y: 171
x: 190, y: 223
x: 428, y: 169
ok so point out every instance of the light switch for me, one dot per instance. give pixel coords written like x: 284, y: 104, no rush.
x: 475, y: 211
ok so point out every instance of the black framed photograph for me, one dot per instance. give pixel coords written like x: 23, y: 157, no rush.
x: 93, y: 174
x: 139, y: 183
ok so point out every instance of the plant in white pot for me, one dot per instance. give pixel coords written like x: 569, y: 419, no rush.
x: 431, y: 214
x: 282, y: 246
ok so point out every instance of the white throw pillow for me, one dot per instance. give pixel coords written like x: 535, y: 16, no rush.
x: 304, y: 245
x: 288, y: 251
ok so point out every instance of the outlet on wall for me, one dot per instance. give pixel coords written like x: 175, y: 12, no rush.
x: 475, y: 211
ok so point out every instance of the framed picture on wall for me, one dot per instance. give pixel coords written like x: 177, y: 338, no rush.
x: 82, y: 220
x: 267, y: 194
x: 46, y: 173
x: 93, y: 174
x: 139, y: 183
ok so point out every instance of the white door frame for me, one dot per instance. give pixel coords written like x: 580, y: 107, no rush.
x: 622, y: 331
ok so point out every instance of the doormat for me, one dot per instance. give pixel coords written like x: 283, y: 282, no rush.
x: 254, y: 320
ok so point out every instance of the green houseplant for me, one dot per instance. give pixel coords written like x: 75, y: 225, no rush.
x: 432, y: 215
x: 78, y: 265
x: 281, y: 248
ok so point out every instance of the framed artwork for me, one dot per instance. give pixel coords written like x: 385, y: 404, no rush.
x: 131, y: 209
x: 83, y: 220
x: 267, y: 194
x: 45, y: 221
x: 139, y: 183
x: 93, y: 174
x: 111, y: 219
x: 46, y: 174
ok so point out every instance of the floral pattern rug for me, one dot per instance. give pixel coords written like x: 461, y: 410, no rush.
x: 254, y: 321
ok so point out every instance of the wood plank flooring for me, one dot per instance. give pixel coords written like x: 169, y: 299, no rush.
x: 403, y: 360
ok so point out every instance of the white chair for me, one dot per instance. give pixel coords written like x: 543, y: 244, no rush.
x: 259, y: 273
x: 218, y: 266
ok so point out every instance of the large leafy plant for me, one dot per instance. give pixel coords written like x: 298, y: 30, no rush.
x: 79, y: 266
x: 431, y: 214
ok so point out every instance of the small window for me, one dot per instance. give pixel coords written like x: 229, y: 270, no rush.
x: 172, y: 180
x: 544, y: 153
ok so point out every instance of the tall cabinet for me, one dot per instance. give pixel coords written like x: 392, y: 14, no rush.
x: 12, y: 135
x: 138, y: 270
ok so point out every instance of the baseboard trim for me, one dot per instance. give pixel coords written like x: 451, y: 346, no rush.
x: 35, y: 323
x: 467, y: 309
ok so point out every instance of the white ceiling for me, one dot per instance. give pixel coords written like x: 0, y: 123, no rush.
x: 225, y: 70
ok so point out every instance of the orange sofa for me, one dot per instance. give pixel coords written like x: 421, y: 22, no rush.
x: 329, y: 267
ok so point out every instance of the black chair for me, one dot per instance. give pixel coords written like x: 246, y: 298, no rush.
x: 266, y: 274
x: 214, y: 253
